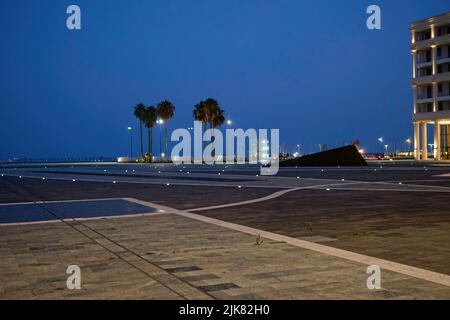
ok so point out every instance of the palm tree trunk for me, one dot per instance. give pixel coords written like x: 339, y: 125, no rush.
x: 203, y: 145
x: 167, y: 142
x: 212, y: 144
x: 142, y: 146
x: 150, y: 144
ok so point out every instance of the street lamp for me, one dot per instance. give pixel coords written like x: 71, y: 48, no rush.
x: 229, y: 122
x: 408, y: 141
x: 160, y: 122
x: 298, y: 151
x: 386, y: 146
x: 380, y: 140
x: 130, y: 129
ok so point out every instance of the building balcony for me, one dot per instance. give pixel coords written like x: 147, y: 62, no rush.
x: 441, y: 60
x: 440, y: 77
x: 423, y: 64
x: 424, y: 100
x: 444, y: 98
x: 425, y: 44
x: 431, y: 116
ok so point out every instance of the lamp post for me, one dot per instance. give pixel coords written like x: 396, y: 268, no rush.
x: 380, y: 140
x: 386, y: 146
x: 229, y: 122
x: 408, y: 141
x: 130, y: 129
x: 160, y: 122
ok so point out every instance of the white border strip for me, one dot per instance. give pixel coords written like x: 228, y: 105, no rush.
x: 59, y: 201
x: 160, y: 211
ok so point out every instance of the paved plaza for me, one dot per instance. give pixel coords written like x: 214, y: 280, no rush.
x: 224, y: 232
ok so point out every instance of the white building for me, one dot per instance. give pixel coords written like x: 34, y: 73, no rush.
x: 430, y: 44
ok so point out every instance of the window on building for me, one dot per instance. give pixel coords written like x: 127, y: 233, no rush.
x: 439, y: 52
x: 440, y: 106
x: 440, y: 88
x: 439, y: 69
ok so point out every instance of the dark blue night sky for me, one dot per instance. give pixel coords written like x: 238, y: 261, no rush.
x: 310, y: 68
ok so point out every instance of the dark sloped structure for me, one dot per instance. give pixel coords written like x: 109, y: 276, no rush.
x: 347, y: 156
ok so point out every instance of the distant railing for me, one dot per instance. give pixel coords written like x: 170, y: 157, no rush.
x: 58, y: 160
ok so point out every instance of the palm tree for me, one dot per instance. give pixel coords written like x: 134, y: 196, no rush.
x: 139, y: 111
x: 217, y: 119
x: 214, y: 116
x: 150, y: 121
x: 200, y: 115
x: 210, y: 106
x: 165, y: 111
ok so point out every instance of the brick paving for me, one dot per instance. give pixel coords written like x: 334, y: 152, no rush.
x: 172, y: 257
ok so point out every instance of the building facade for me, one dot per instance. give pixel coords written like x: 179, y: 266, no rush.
x: 430, y: 46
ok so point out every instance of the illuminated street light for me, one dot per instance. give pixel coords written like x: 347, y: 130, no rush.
x: 229, y: 122
x: 160, y: 122
x: 130, y: 129
x: 380, y: 140
x: 408, y: 141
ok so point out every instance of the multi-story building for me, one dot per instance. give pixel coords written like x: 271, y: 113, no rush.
x: 430, y: 44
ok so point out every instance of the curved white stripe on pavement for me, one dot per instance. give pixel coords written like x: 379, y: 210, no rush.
x: 266, y: 198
